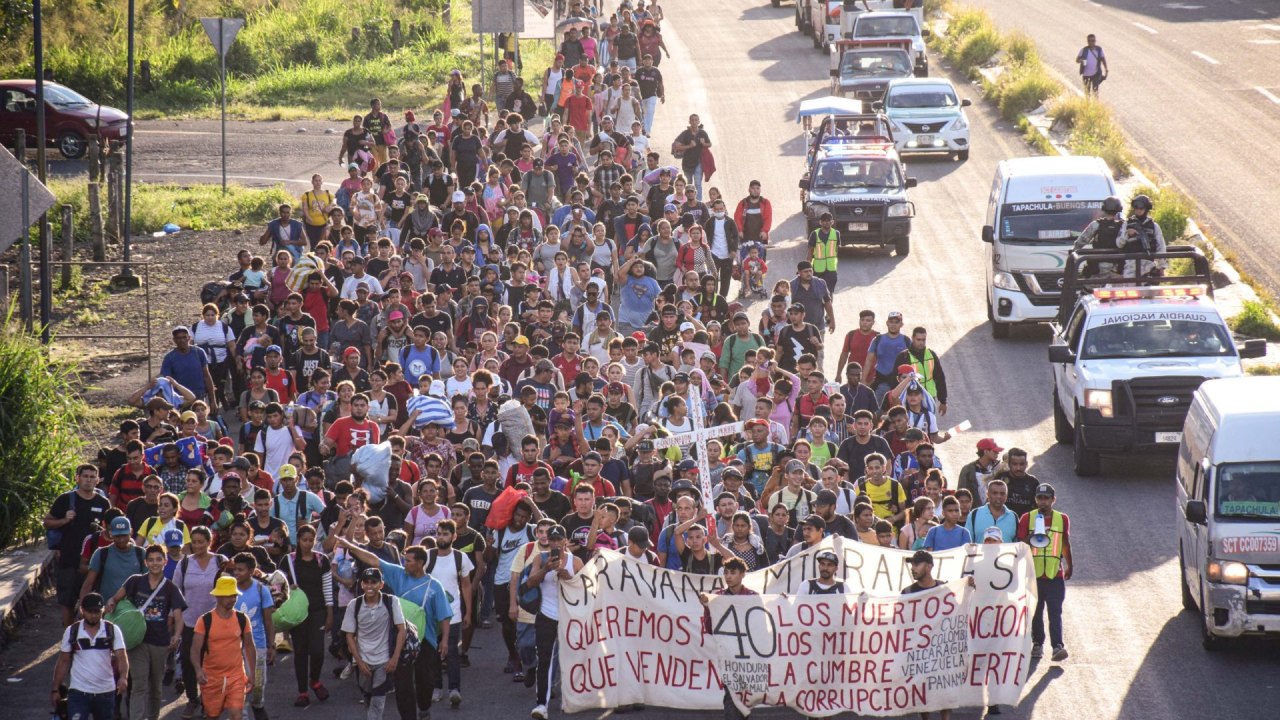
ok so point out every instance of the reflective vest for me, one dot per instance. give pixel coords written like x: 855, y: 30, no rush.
x: 825, y: 251
x: 924, y: 368
x: 1048, y: 559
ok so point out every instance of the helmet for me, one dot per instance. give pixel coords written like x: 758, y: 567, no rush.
x: 1112, y: 205
x: 1141, y: 202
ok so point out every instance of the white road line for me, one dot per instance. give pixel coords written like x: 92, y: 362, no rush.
x: 1148, y: 28
x: 1268, y: 95
x: 1205, y: 58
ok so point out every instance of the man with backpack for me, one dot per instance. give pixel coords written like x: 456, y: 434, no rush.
x: 223, y: 644
x: 293, y: 505
x: 161, y: 605
x: 376, y: 635
x: 1093, y: 64
x: 735, y: 348
x: 452, y: 569
x: 110, y: 566
x: 510, y: 542
x: 411, y: 583
x: 70, y: 520
x: 253, y: 600
x: 92, y: 651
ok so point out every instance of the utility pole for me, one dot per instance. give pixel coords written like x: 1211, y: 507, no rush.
x: 46, y: 237
x: 126, y: 277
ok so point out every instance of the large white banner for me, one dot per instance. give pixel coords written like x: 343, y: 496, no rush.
x: 632, y: 633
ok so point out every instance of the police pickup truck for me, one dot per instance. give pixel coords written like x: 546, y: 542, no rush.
x: 1128, y: 354
x: 864, y: 187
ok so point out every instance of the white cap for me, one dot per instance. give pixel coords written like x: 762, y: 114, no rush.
x: 459, y: 196
x: 687, y: 326
x: 993, y: 533
x: 437, y: 388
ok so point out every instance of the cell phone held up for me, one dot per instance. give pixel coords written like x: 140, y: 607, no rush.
x: 555, y: 555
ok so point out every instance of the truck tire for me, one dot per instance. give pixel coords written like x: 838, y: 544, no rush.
x: 1087, y: 462
x: 1188, y: 600
x: 999, y: 330
x: 962, y: 155
x: 902, y: 246
x: 1061, y: 428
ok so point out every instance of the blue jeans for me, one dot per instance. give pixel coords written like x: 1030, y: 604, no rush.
x: 83, y: 705
x: 486, y: 594
x: 628, y: 63
x: 527, y: 646
x: 696, y: 178
x: 453, y: 663
x: 1052, y: 592
x: 650, y: 108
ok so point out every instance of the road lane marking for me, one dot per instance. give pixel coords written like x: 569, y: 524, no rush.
x: 1268, y: 95
x: 1148, y: 28
x: 1266, y: 41
x: 1205, y: 58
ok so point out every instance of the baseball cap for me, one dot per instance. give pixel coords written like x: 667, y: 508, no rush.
x: 639, y: 536
x: 796, y: 307
x: 237, y: 464
x: 825, y: 497
x: 458, y: 196
x: 922, y: 556
x: 741, y: 316
x: 827, y: 555
x: 989, y: 444
x: 686, y: 465
x: 685, y: 486
x: 686, y: 326
x: 353, y: 166
x: 670, y: 207
x: 172, y: 538
x: 680, y: 377
x: 731, y: 471
x: 906, y: 369
x: 615, y: 387
x: 351, y: 351
x: 395, y: 315
x: 274, y: 349
x: 894, y: 314
x: 286, y: 470
x: 521, y: 340
x: 181, y: 330
x: 794, y: 466
x: 993, y: 533
x: 708, y: 355
x: 816, y: 522
x: 373, y: 574
x: 1046, y: 490
x: 188, y: 416
x: 556, y: 532
x: 120, y: 526
x: 91, y: 602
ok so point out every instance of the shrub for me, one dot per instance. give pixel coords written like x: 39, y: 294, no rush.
x: 1092, y: 130
x: 1023, y: 88
x: 1255, y: 321
x: 976, y: 48
x: 1021, y: 49
x: 40, y: 443
x: 1172, y: 211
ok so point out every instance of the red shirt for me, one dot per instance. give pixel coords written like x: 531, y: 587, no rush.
x: 520, y: 472
x: 568, y: 367
x: 316, y: 304
x: 128, y: 485
x: 856, y: 344
x: 603, y: 487
x: 660, y: 511
x: 281, y: 383
x: 348, y: 435
x: 579, y: 111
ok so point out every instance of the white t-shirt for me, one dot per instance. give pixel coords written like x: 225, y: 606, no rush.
x: 91, y: 669
x: 276, y: 445
x: 446, y: 572
x: 454, y: 386
x: 215, y: 337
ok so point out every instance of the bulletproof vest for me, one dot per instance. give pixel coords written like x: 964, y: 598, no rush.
x: 1108, y: 231
x: 1146, y: 236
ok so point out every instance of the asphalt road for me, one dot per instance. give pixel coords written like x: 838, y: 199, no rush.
x: 1134, y: 654
x: 1194, y: 86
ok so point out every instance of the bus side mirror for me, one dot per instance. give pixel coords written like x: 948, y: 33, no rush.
x: 988, y: 234
x: 1196, y: 512
x: 1254, y: 348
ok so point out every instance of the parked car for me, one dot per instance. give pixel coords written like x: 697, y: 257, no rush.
x: 70, y: 118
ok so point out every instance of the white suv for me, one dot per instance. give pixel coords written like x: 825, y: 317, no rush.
x: 928, y: 117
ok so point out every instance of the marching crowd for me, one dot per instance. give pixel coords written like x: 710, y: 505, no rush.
x: 522, y: 316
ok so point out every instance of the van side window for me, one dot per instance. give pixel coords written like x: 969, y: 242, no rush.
x: 1075, y: 326
x: 1197, y: 487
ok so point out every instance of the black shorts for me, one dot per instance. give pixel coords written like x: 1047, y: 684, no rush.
x: 68, y: 582
x: 502, y: 601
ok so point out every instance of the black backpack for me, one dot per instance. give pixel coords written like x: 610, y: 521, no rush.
x: 412, y: 643
x: 215, y: 292
x: 206, y: 621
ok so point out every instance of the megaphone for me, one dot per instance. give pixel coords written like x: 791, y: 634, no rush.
x: 1039, y: 539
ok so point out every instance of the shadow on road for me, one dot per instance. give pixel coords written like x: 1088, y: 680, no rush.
x: 789, y: 52
x: 1198, y: 11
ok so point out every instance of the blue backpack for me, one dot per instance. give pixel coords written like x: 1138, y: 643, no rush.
x: 530, y: 598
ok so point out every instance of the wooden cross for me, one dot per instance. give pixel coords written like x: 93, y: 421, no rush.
x: 698, y: 437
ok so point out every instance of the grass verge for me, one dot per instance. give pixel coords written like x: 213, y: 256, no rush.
x: 1093, y: 130
x: 1255, y: 321
x: 292, y: 59
x: 197, y: 207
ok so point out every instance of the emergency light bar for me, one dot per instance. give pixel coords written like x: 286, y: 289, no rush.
x: 1149, y: 292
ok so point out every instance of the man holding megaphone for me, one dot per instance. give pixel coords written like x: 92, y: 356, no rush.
x: 1048, y: 532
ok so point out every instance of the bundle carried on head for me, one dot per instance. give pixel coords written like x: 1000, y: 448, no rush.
x: 371, y: 465
x: 516, y: 423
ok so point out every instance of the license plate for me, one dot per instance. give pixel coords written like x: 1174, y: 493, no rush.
x: 1168, y: 437
x: 923, y: 140
x: 859, y: 227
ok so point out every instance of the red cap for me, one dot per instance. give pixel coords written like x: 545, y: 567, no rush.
x: 906, y: 369
x: 351, y: 351
x: 639, y: 336
x: 989, y: 444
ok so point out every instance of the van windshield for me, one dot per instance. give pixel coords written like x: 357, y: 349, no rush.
x: 1249, y: 490
x: 1047, y: 223
x: 1156, y: 337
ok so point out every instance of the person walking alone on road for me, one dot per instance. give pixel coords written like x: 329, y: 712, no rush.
x: 1054, y: 567
x: 1093, y: 65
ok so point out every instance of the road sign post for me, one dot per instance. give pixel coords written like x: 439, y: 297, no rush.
x: 495, y: 16
x: 222, y: 33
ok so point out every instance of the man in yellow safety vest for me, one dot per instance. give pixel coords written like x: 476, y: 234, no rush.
x: 824, y: 244
x: 1053, y: 565
x: 927, y: 365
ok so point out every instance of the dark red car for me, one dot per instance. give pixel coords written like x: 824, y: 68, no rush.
x: 70, y: 118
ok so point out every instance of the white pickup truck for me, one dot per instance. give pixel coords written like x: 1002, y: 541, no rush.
x: 1128, y: 354
x: 899, y: 25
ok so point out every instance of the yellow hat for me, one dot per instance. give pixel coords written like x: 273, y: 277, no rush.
x: 286, y: 470
x: 188, y: 416
x: 225, y: 587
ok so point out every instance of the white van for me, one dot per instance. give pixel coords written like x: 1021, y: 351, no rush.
x: 1229, y: 508
x: 1037, y: 208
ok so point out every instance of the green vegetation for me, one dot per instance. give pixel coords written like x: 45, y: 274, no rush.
x: 1093, y: 130
x: 970, y: 40
x: 198, y: 207
x: 294, y: 58
x: 1173, y: 210
x: 40, y: 442
x: 1022, y: 87
x: 1262, y: 370
x: 1255, y: 321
